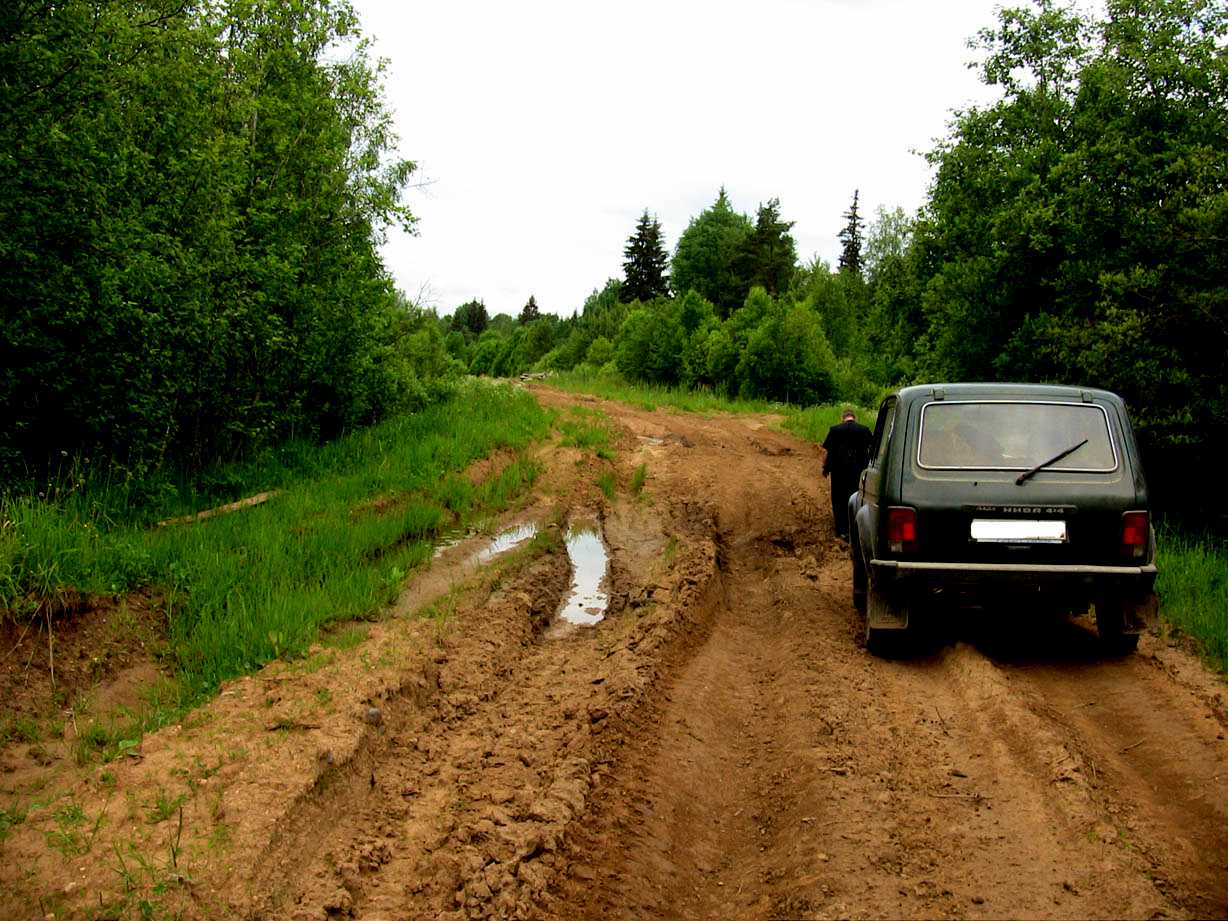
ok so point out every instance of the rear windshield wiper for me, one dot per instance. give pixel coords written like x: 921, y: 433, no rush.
x: 1028, y: 474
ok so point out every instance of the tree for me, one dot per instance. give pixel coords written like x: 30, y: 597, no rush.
x: 191, y: 200
x: 471, y: 317
x: 646, y: 262
x: 1075, y: 228
x: 850, y: 236
x: 768, y: 255
x: 705, y: 257
x: 529, y: 312
x: 650, y: 344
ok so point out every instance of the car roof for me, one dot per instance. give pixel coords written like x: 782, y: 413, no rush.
x: 972, y: 390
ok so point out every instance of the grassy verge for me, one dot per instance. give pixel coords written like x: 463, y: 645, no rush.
x: 808, y: 422
x: 1193, y: 588
x: 652, y: 396
x: 351, y: 519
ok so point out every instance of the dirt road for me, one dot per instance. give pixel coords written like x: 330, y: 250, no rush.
x: 718, y: 746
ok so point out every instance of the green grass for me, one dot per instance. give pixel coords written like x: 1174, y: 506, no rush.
x: 652, y: 396
x: 812, y: 422
x: 351, y: 520
x: 121, y: 732
x: 808, y: 422
x: 638, y: 479
x: 607, y: 485
x: 589, y: 430
x: 1193, y: 589
x: 10, y: 818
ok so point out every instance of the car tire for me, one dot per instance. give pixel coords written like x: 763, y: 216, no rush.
x: 859, y: 573
x: 1110, y: 626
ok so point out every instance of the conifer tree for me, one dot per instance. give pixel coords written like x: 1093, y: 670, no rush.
x: 850, y: 236
x: 645, y: 266
x: 471, y: 316
x: 530, y: 311
x: 768, y: 256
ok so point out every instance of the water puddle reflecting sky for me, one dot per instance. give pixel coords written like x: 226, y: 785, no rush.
x: 590, y: 564
x: 505, y: 541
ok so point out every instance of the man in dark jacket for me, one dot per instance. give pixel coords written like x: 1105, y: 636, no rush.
x: 848, y: 451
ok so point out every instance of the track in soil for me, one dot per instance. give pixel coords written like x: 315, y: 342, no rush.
x: 719, y: 746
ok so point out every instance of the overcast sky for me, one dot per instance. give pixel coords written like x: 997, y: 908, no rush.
x: 542, y: 129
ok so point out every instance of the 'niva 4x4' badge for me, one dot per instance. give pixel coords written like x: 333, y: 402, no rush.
x: 1058, y: 511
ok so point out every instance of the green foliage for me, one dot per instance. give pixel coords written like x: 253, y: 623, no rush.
x: 645, y: 267
x: 787, y: 356
x: 705, y: 259
x: 1075, y: 228
x: 768, y: 255
x: 600, y: 351
x: 1193, y: 589
x: 471, y: 317
x: 850, y: 237
x: 610, y: 385
x: 529, y: 312
x: 650, y: 344
x: 214, y: 286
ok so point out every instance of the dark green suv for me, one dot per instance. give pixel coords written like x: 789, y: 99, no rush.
x: 1002, y: 496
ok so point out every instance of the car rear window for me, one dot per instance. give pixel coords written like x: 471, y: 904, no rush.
x: 1015, y: 435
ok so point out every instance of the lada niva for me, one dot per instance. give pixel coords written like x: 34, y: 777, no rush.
x: 1003, y: 497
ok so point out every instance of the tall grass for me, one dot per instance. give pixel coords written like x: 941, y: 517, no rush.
x: 352, y: 518
x: 812, y: 422
x: 808, y: 422
x: 651, y: 396
x: 1193, y: 589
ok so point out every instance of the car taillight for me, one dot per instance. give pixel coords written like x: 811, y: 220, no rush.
x: 901, y: 529
x: 1135, y: 527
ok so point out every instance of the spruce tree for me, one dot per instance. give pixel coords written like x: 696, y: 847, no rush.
x: 850, y: 236
x: 471, y: 317
x: 768, y: 256
x: 530, y: 311
x: 645, y: 266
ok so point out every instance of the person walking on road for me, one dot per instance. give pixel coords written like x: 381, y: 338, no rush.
x: 848, y: 451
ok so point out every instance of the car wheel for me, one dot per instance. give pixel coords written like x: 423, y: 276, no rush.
x: 883, y: 640
x: 1111, y: 627
x: 859, y: 574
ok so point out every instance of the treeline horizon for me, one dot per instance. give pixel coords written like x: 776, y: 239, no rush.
x: 1076, y: 231
x: 193, y: 198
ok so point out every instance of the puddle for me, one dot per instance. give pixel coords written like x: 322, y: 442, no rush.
x: 505, y: 541
x: 590, y: 564
x: 501, y: 543
x: 449, y: 541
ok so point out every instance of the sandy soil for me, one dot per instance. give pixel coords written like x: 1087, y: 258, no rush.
x: 719, y: 746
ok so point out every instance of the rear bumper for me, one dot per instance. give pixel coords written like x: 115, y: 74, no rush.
x: 1083, y: 579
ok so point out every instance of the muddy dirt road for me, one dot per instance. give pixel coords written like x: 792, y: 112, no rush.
x: 718, y: 746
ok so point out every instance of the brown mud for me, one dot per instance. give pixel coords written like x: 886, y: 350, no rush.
x: 718, y: 746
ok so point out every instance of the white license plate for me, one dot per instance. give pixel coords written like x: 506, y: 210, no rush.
x: 1018, y: 531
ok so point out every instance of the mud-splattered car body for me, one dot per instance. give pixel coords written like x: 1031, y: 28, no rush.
x: 1000, y: 496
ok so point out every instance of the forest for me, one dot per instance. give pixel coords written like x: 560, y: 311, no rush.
x: 194, y: 196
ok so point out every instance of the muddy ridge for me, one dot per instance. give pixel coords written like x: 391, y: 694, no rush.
x: 708, y: 741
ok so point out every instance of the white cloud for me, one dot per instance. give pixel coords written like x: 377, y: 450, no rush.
x: 545, y: 127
